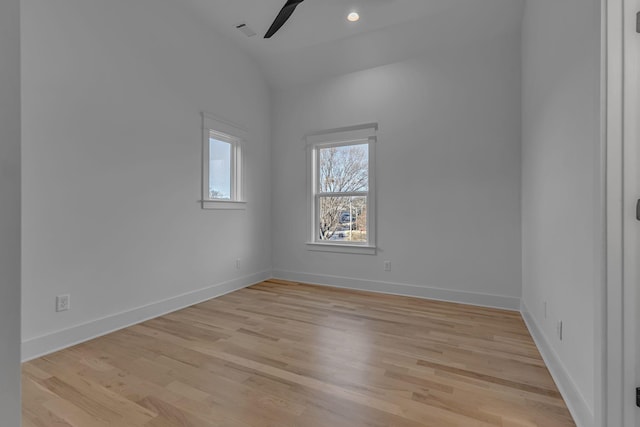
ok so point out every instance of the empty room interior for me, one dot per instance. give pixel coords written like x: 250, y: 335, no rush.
x: 372, y: 213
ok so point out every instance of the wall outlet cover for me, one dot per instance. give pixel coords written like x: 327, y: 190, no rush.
x: 63, y: 302
x: 560, y: 330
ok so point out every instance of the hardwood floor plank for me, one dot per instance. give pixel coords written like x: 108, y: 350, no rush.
x: 288, y: 354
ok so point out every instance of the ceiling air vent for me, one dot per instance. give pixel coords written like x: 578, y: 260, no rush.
x: 245, y: 30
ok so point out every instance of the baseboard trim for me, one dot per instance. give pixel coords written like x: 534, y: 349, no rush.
x: 47, y: 344
x: 582, y: 415
x: 478, y: 299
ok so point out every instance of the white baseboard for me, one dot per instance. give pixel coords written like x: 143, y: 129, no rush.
x: 46, y: 344
x: 582, y: 414
x: 479, y: 299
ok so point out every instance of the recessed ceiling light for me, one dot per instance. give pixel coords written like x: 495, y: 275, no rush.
x: 353, y: 17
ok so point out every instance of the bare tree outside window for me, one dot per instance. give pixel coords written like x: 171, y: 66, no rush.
x: 343, y: 185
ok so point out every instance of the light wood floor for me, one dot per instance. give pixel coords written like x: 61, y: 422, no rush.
x: 281, y: 355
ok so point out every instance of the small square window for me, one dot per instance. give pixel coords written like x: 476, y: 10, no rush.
x: 221, y: 168
x: 222, y: 185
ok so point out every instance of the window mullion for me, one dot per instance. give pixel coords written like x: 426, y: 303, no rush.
x: 348, y: 194
x: 232, y: 171
x: 317, y: 161
x: 316, y: 218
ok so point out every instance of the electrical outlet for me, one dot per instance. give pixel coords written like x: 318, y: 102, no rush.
x: 238, y: 264
x: 63, y: 303
x: 387, y: 266
x: 560, y: 330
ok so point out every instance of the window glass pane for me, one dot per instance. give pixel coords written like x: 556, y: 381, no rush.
x: 343, y: 219
x: 219, y: 169
x: 344, y: 169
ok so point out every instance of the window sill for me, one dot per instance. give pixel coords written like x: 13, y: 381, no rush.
x: 341, y: 248
x: 223, y: 204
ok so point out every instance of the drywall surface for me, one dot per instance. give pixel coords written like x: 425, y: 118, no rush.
x: 112, y: 97
x: 561, y: 182
x: 10, y: 213
x: 447, y: 174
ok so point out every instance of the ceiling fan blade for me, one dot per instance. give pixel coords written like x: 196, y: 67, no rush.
x: 282, y: 17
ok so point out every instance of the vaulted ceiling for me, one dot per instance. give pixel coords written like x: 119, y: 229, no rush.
x: 318, y: 41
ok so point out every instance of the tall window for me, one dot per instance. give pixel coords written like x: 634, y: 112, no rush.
x: 342, y: 197
x: 222, y: 185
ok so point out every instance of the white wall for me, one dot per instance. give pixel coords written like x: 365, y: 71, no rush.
x: 448, y: 174
x: 112, y: 144
x: 10, y: 213
x: 561, y: 181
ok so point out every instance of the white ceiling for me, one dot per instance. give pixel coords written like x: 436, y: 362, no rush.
x: 318, y: 41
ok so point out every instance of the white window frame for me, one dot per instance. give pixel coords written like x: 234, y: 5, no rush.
x: 225, y: 131
x: 352, y: 135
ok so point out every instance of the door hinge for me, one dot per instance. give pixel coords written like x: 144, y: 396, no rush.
x: 638, y: 210
x: 638, y: 397
x: 638, y: 22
